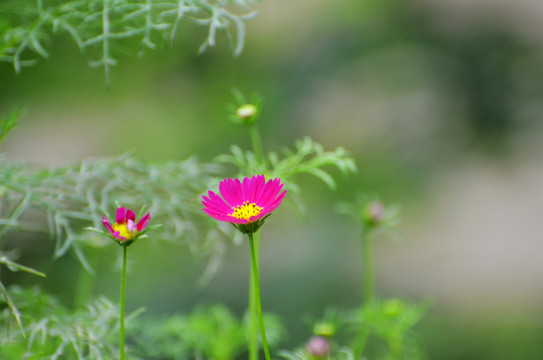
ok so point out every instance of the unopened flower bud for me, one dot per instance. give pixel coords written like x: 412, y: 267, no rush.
x: 393, y: 308
x: 247, y: 112
x: 318, y: 346
x: 324, y: 329
x: 374, y: 213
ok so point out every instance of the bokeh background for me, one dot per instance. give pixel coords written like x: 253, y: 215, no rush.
x: 440, y: 102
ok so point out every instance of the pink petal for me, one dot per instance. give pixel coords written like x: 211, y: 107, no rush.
x: 237, y: 193
x: 143, y: 222
x: 225, y: 189
x: 237, y: 221
x: 106, y: 223
x: 272, y: 189
x: 115, y: 234
x: 255, y: 182
x: 267, y: 188
x: 215, y: 202
x: 217, y: 216
x: 246, y: 190
x: 130, y: 215
x: 130, y: 225
x: 120, y: 217
x: 274, y: 204
x: 259, y: 188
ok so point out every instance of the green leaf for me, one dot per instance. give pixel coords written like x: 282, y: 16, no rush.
x: 9, y: 122
x: 323, y: 175
x: 12, y: 307
x: 13, y: 266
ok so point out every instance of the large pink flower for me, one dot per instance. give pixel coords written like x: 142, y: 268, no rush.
x: 246, y: 203
x: 125, y: 228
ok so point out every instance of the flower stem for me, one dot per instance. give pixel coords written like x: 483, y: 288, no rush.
x: 253, y: 314
x: 123, y: 283
x: 258, y: 148
x: 257, y: 298
x: 368, y: 289
x: 368, y: 264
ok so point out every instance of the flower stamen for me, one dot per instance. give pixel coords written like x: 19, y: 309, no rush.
x: 123, y: 231
x: 246, y: 210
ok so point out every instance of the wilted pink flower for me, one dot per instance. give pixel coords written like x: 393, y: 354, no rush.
x: 247, y: 203
x: 125, y: 228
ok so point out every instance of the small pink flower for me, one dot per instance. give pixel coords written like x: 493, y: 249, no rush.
x: 247, y: 203
x: 125, y: 228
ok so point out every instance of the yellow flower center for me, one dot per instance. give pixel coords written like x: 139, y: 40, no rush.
x: 123, y: 231
x: 245, y: 211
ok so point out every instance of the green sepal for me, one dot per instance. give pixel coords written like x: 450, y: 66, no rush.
x: 252, y: 227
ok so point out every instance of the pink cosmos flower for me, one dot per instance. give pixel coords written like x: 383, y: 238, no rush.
x: 247, y: 203
x: 125, y: 229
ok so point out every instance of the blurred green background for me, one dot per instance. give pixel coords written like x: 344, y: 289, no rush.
x: 440, y: 103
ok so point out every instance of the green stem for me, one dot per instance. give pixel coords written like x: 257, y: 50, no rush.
x: 253, y: 314
x: 395, y: 345
x: 257, y: 298
x: 360, y: 341
x: 258, y: 149
x: 368, y: 289
x: 368, y: 265
x: 123, y: 285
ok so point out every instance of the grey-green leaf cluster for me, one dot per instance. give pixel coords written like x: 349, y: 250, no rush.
x: 309, y: 157
x: 27, y: 27
x: 54, y: 332
x: 212, y: 332
x: 73, y: 197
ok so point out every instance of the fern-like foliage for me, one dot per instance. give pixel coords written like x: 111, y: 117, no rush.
x: 206, y: 333
x: 54, y: 332
x: 393, y: 321
x: 309, y: 157
x: 100, y: 26
x: 343, y: 353
x: 73, y: 197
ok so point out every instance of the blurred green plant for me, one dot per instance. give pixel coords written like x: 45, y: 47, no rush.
x: 5, y: 259
x: 73, y: 196
x: 389, y: 324
x: 206, y: 333
x: 102, y: 26
x: 9, y: 122
x: 392, y: 322
x: 373, y: 218
x: 302, y: 354
x: 309, y: 157
x: 125, y: 231
x: 70, y: 198
x: 56, y: 333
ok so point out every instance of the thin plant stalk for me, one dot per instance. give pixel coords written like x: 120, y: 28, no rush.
x: 253, y: 314
x: 257, y: 298
x: 258, y: 148
x: 360, y: 341
x: 123, y: 286
x: 368, y: 267
x: 368, y: 288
